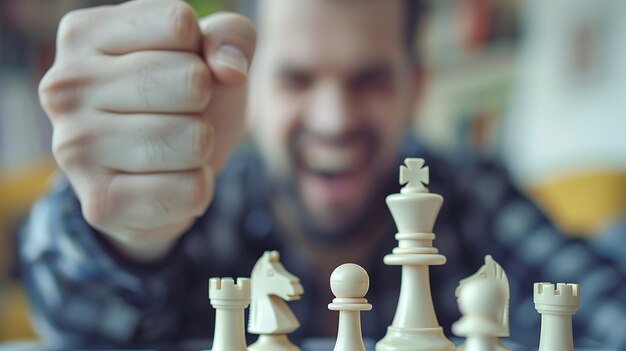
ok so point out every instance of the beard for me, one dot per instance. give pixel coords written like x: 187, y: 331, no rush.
x: 335, y: 224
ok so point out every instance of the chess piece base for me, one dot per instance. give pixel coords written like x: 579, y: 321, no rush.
x: 497, y: 347
x: 414, y: 339
x: 273, y: 342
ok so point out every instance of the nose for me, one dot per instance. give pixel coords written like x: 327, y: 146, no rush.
x: 331, y: 113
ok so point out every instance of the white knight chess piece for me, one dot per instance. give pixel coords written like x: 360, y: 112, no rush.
x: 270, y: 317
x: 483, y: 299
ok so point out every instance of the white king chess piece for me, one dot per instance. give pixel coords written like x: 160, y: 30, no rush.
x: 556, y: 306
x: 483, y: 299
x: 229, y: 300
x: 349, y: 283
x: 270, y: 317
x: 414, y: 209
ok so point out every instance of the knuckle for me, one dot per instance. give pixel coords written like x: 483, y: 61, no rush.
x: 63, y: 153
x: 199, y: 83
x: 73, y: 26
x: 98, y: 204
x: 60, y: 93
x: 183, y: 22
x: 203, y: 139
x: 245, y: 27
x: 242, y: 30
x: 200, y: 189
x: 70, y: 150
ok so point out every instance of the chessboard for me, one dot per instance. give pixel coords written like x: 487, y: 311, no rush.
x: 313, y: 344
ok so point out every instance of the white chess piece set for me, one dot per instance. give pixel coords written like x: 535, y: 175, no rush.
x: 483, y: 297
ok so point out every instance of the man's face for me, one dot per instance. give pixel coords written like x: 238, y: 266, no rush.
x: 331, y: 96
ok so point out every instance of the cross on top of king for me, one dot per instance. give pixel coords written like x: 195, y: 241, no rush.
x: 414, y: 175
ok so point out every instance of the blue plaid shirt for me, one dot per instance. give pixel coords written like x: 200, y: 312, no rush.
x: 83, y: 293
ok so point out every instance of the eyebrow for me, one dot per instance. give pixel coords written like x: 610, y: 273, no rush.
x: 376, y: 68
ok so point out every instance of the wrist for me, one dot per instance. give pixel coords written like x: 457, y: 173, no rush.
x: 149, y: 247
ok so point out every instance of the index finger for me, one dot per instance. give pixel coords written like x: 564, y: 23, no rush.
x: 133, y: 26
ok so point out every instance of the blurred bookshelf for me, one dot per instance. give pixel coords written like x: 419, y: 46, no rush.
x: 469, y: 50
x: 207, y: 7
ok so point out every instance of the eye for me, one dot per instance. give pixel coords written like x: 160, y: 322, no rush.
x: 376, y: 79
x: 296, y: 80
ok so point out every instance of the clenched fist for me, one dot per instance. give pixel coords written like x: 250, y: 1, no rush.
x: 146, y: 102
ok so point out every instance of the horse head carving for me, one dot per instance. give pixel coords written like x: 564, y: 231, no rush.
x: 495, y: 275
x: 272, y: 285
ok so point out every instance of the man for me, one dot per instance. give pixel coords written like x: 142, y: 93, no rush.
x: 146, y: 104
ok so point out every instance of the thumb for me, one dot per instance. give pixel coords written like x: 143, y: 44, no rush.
x: 228, y: 46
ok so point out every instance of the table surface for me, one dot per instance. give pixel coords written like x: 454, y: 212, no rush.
x: 313, y: 344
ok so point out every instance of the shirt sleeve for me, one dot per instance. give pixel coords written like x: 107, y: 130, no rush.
x: 81, y: 293
x: 501, y: 221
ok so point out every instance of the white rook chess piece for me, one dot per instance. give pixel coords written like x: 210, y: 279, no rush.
x: 349, y: 283
x: 556, y: 307
x: 415, y: 326
x: 229, y: 300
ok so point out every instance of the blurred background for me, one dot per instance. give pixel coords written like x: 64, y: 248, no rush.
x: 538, y: 84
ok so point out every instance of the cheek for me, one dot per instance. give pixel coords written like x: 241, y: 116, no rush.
x: 275, y: 126
x: 388, y: 119
x: 387, y: 116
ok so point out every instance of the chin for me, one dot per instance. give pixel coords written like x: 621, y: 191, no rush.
x: 335, y: 223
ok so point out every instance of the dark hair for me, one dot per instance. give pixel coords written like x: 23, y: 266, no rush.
x: 414, y: 14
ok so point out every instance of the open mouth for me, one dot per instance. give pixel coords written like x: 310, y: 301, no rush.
x: 334, y: 171
x: 333, y: 162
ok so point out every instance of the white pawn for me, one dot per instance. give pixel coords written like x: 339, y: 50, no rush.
x: 556, y: 305
x: 349, y: 283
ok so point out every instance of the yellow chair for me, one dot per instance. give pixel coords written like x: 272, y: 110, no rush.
x: 18, y: 190
x: 582, y: 203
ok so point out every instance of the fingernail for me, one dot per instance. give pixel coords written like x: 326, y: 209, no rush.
x: 233, y: 58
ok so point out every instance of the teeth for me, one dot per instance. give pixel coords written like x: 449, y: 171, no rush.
x: 330, y: 161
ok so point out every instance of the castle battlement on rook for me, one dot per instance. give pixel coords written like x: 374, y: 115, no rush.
x: 227, y: 289
x: 562, y: 298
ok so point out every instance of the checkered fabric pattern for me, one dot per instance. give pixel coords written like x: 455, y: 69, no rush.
x: 83, y: 293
